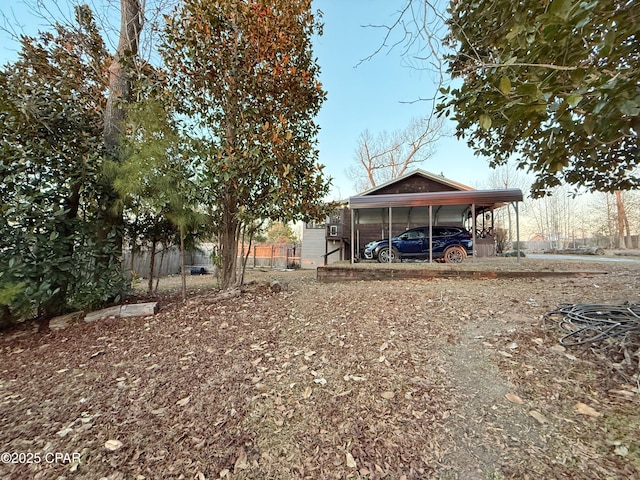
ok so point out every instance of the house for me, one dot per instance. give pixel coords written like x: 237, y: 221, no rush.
x: 415, y: 199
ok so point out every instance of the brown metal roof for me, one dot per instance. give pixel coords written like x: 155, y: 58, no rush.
x: 468, y: 197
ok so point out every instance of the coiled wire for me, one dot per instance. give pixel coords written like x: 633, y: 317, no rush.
x: 589, y: 323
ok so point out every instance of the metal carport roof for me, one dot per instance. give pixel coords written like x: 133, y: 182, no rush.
x: 466, y: 197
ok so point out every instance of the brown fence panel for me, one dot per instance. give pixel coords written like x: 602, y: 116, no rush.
x: 279, y: 255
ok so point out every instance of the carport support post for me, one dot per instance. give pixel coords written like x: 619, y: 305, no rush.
x: 515, y: 206
x: 430, y: 233
x: 473, y: 231
x: 390, y: 223
x: 353, y: 214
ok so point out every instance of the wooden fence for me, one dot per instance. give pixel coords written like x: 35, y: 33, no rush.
x: 167, y: 264
x: 281, y: 255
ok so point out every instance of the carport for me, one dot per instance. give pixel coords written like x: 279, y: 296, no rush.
x: 465, y: 203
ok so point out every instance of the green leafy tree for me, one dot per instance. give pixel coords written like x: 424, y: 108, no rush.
x: 552, y: 83
x: 51, y: 120
x: 121, y: 75
x: 157, y: 178
x: 280, y: 232
x: 244, y: 75
x: 151, y: 229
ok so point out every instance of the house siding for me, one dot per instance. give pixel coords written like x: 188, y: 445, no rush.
x: 314, y: 247
x: 414, y: 184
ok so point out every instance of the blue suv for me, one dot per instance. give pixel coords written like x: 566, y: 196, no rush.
x: 451, y: 244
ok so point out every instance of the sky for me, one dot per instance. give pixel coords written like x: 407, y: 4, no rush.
x: 378, y: 94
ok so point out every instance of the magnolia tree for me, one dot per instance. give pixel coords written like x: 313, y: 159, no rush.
x: 51, y: 116
x: 553, y: 84
x: 245, y: 77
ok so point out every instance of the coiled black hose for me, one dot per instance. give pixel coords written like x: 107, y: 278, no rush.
x: 589, y: 323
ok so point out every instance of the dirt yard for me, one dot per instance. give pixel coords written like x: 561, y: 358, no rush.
x: 442, y: 379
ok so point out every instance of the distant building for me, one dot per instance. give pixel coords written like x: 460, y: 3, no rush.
x: 418, y: 198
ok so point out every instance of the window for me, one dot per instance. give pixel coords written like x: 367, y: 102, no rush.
x: 314, y: 224
x: 333, y: 231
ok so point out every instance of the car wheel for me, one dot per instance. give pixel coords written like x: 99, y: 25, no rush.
x: 383, y: 255
x: 454, y: 255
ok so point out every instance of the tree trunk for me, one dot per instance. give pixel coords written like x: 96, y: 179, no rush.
x: 132, y: 259
x: 229, y: 249
x: 622, y: 220
x: 164, y: 249
x: 121, y: 73
x: 182, y: 269
x: 152, y: 264
x: 246, y: 256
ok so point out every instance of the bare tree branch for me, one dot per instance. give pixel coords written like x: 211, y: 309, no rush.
x: 390, y: 155
x: 417, y: 32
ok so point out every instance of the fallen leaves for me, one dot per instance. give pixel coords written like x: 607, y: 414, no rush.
x: 584, y: 409
x: 355, y: 378
x: 300, y: 387
x: 351, y: 463
x: 541, y: 419
x: 64, y: 432
x: 629, y: 393
x: 242, y: 462
x: 513, y: 398
x: 620, y: 449
x: 113, y: 445
x: 307, y: 393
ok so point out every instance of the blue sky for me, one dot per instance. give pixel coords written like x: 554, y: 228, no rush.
x: 379, y: 94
